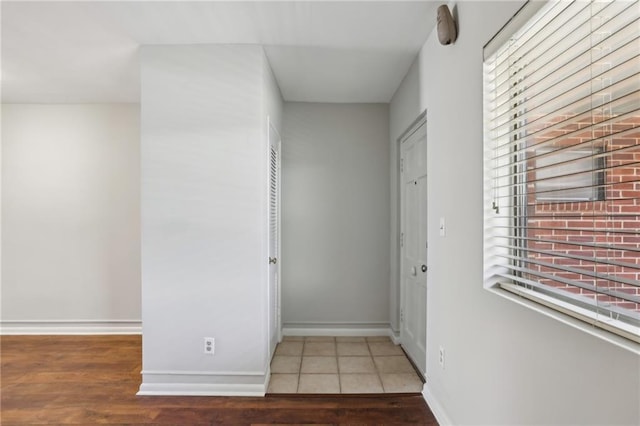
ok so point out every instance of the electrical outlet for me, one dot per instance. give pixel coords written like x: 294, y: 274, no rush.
x: 441, y: 357
x: 209, y: 345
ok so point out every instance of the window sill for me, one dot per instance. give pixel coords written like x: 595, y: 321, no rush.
x: 538, y: 306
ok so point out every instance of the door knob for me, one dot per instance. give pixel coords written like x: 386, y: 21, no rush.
x: 424, y: 268
x: 272, y: 260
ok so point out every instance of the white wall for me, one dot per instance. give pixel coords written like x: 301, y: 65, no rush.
x: 204, y: 219
x: 273, y: 102
x: 403, y: 110
x: 505, y: 364
x: 70, y: 214
x: 335, y: 215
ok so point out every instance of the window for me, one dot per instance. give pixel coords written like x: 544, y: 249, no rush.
x: 562, y: 160
x: 569, y: 175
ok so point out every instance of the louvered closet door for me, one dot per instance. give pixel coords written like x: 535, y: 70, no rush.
x: 274, y: 237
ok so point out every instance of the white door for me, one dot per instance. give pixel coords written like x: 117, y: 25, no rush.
x: 413, y: 244
x: 274, y: 238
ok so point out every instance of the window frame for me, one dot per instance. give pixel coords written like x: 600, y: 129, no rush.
x: 571, y: 312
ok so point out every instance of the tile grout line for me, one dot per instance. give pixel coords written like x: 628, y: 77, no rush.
x: 375, y: 366
x: 335, y: 351
x: 300, y: 368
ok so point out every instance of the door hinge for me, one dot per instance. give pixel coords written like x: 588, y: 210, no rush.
x: 401, y: 315
x: 402, y: 239
x: 402, y: 165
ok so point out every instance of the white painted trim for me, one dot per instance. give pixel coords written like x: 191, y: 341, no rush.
x: 395, y: 337
x: 267, y: 378
x: 200, y: 389
x: 335, y: 332
x: 204, y: 383
x: 70, y: 327
x: 436, y: 408
x: 200, y: 373
x: 338, y: 329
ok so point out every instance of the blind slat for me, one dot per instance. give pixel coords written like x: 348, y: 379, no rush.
x: 578, y: 272
x: 568, y: 282
x: 574, y: 101
x: 594, y: 260
x: 580, y: 301
x: 577, y: 244
x: 599, y: 136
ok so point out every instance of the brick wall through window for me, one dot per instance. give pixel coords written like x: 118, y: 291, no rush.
x: 552, y: 225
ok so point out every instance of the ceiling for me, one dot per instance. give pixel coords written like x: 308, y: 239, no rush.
x: 323, y: 51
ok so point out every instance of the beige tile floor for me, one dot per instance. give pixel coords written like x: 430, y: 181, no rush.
x: 341, y: 365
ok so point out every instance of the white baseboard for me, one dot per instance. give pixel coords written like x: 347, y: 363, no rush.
x: 267, y: 379
x: 337, y: 329
x: 435, y: 407
x: 395, y: 336
x: 200, y: 389
x: 204, y: 383
x: 70, y: 327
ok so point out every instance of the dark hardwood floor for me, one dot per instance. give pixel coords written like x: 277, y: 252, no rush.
x: 94, y: 379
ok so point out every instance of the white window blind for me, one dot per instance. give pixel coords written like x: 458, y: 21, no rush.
x: 562, y: 160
